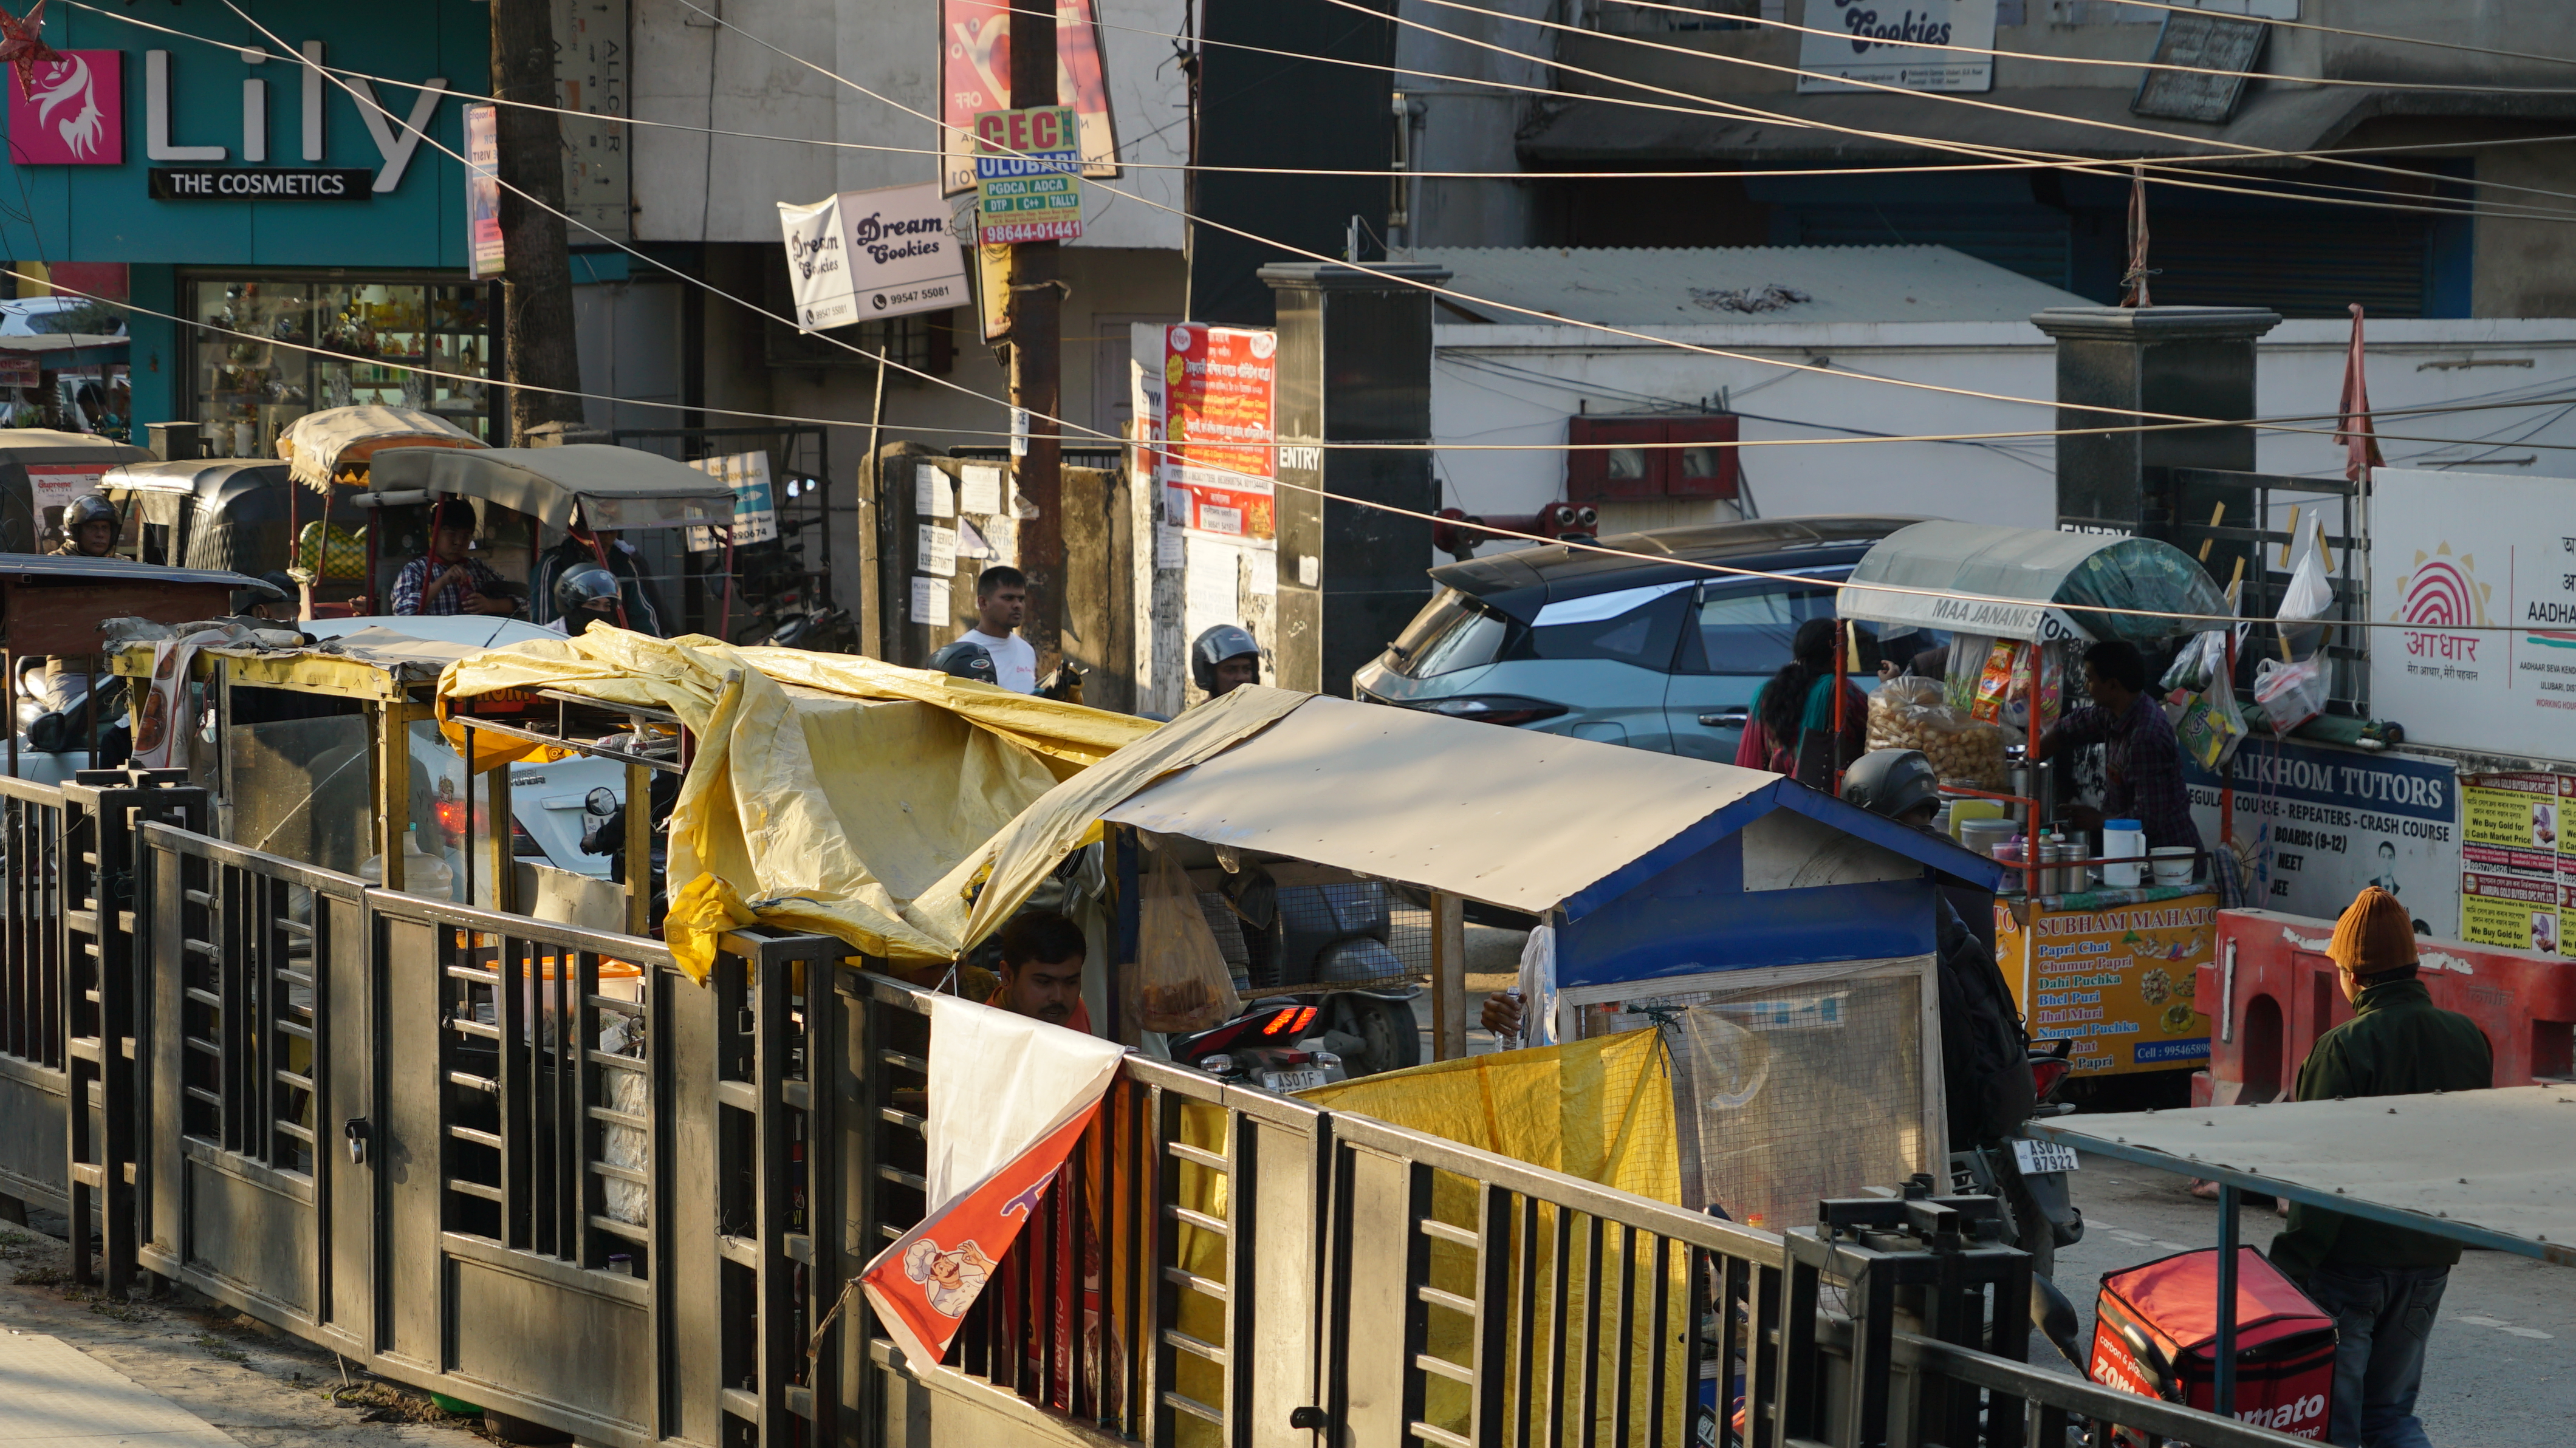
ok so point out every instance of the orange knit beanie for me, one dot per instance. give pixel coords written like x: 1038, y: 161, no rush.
x: 2375, y: 934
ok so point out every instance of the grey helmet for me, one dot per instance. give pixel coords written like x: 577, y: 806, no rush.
x: 967, y: 660
x: 583, y: 594
x: 91, y: 508
x: 1215, y: 646
x: 1892, y: 782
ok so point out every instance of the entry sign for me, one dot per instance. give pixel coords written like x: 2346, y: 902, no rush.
x: 865, y: 255
x: 1028, y: 175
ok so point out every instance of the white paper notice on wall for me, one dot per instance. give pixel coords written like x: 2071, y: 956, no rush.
x: 1211, y: 590
x: 937, y: 550
x: 930, y: 600
x: 979, y: 489
x: 1167, y: 546
x: 1002, y: 532
x: 1310, y: 570
x: 1263, y: 571
x: 931, y: 496
x: 971, y: 542
x: 1019, y: 432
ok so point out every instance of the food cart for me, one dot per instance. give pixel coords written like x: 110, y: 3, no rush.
x: 331, y: 452
x: 2109, y: 971
x: 41, y: 470
x: 1786, y: 940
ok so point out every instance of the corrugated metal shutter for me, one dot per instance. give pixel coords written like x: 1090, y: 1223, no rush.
x: 2299, y: 266
x: 2031, y: 240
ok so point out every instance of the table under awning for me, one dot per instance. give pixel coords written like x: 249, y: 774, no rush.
x: 2032, y: 584
x: 2473, y: 1166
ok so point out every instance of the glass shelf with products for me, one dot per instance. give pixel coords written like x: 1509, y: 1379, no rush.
x: 376, y: 330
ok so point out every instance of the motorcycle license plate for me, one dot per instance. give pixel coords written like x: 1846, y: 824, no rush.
x: 1285, y: 1082
x: 2039, y: 1156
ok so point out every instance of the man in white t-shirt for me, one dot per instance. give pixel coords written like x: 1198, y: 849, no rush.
x: 1002, y: 605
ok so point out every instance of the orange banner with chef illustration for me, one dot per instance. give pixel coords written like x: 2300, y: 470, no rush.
x: 2117, y: 981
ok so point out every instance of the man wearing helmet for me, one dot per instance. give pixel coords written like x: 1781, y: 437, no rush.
x: 582, y: 596
x: 1223, y: 659
x: 579, y: 548
x: 91, y: 528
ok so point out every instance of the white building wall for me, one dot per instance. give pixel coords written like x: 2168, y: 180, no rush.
x: 691, y: 72
x: 1484, y: 394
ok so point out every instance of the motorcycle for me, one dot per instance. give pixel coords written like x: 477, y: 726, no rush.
x: 1289, y: 1043
x: 2029, y: 1175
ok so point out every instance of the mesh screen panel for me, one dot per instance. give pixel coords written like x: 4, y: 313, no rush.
x: 1322, y: 937
x: 1787, y: 1093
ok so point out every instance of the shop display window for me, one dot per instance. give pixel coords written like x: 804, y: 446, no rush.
x: 372, y: 331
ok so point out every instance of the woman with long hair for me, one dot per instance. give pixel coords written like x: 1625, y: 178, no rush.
x: 1791, y: 730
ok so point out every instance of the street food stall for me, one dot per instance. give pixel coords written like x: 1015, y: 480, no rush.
x: 1785, y: 939
x: 41, y: 470
x: 2103, y: 964
x: 330, y: 452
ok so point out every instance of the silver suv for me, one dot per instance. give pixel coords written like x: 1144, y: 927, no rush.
x: 1648, y: 653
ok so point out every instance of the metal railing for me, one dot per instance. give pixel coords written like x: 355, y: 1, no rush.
x: 542, y: 1169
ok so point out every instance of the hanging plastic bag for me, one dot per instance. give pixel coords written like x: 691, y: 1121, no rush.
x: 1180, y: 982
x: 2290, y: 694
x: 2210, y: 726
x: 2309, y: 597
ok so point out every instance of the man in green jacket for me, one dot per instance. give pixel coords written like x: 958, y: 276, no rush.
x: 2381, y: 1284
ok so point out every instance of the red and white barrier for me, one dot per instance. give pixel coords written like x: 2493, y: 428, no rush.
x: 2270, y: 992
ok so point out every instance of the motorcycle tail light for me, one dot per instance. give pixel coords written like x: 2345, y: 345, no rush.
x: 1285, y: 1019
x: 2047, y: 1075
x: 1303, y: 1017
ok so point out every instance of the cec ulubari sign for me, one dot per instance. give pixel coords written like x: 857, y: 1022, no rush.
x: 863, y: 255
x: 1028, y: 176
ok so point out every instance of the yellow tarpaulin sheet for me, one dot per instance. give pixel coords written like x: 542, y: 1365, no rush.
x: 1601, y: 1110
x: 845, y: 795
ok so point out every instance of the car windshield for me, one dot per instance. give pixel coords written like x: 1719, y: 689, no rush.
x: 1452, y: 632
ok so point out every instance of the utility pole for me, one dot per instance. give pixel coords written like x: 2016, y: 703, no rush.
x: 1037, y: 361
x: 536, y: 309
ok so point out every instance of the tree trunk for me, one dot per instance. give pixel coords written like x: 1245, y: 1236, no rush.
x: 537, y: 320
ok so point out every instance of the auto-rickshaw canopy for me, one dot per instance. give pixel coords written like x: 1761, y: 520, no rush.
x: 613, y: 488
x: 320, y: 446
x: 2053, y: 586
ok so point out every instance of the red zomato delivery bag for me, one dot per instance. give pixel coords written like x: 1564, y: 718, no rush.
x: 2155, y: 1333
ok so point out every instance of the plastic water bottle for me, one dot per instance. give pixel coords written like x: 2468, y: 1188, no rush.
x: 2124, y: 851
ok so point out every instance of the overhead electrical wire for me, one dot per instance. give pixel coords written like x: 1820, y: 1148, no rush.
x: 1951, y: 594
x: 2035, y: 162
x: 2175, y: 422
x: 2156, y: 65
x: 2169, y: 420
x: 2118, y: 169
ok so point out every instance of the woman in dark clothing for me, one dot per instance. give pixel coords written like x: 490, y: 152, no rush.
x: 1792, y: 728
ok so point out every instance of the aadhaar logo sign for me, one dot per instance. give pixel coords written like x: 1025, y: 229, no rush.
x: 70, y: 111
x: 2443, y: 593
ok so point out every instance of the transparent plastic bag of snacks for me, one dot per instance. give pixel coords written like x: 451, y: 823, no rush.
x: 2290, y: 694
x: 1911, y: 713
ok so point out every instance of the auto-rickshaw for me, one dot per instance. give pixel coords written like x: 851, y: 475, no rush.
x: 330, y: 452
x: 41, y: 470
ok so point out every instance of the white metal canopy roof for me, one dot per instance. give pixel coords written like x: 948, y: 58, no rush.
x: 2494, y: 1168
x: 1703, y: 286
x: 1504, y: 816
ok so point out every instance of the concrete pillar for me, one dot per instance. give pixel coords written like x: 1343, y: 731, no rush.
x: 1354, y: 367
x: 2185, y: 361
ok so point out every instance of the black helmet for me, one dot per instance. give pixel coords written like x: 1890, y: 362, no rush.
x: 584, y: 593
x: 1215, y: 646
x: 967, y: 660
x: 1892, y: 782
x: 90, y: 508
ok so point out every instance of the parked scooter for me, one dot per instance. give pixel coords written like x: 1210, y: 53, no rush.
x: 1297, y: 1042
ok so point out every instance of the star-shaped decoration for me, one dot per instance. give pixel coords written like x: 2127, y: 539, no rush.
x: 22, y: 44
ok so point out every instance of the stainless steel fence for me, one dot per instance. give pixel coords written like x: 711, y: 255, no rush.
x: 542, y: 1170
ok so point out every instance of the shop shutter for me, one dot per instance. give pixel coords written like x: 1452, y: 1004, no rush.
x: 2299, y: 266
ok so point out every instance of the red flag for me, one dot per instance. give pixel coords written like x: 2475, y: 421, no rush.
x: 2361, y: 444
x: 1009, y: 1099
